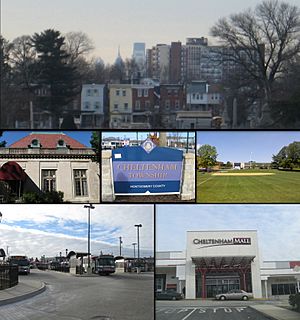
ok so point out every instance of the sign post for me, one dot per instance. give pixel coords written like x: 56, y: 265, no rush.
x: 147, y: 170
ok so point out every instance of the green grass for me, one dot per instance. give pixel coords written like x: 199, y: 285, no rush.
x: 282, y: 187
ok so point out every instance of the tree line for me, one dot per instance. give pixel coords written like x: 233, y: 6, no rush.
x: 60, y: 64
x: 288, y: 157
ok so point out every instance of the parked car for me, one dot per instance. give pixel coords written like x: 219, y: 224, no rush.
x: 169, y: 295
x: 234, y: 295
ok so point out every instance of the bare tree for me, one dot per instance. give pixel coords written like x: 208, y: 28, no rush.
x: 77, y: 44
x: 6, y: 81
x: 132, y: 69
x: 23, y: 58
x: 261, y: 42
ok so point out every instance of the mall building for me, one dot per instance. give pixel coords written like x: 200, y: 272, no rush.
x: 218, y: 261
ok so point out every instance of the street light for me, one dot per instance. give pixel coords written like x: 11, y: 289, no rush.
x: 120, y: 241
x: 89, y: 207
x: 134, y: 244
x: 138, y: 226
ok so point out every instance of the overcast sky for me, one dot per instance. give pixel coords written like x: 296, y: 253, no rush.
x: 243, y: 146
x: 36, y: 230
x: 278, y: 226
x: 119, y: 22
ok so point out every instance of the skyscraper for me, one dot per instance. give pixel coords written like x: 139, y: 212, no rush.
x: 139, y: 53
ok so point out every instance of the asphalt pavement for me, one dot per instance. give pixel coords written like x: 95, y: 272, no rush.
x: 116, y: 297
x: 223, y: 310
x: 212, y: 313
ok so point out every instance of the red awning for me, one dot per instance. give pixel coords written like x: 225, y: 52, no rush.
x: 12, y: 171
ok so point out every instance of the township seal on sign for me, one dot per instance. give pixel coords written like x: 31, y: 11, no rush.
x: 148, y: 145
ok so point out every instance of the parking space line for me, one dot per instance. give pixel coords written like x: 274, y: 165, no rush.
x: 188, y: 314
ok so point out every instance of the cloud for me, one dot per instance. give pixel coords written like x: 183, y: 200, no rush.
x: 49, y: 229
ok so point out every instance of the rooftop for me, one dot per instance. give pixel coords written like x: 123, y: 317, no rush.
x: 47, y: 140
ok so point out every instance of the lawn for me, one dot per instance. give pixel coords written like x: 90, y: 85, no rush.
x: 237, y: 186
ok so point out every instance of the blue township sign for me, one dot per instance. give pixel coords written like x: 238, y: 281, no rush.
x: 147, y: 169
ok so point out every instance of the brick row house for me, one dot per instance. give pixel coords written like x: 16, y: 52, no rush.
x: 148, y: 105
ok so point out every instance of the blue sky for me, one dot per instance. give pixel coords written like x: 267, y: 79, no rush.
x: 278, y: 226
x: 13, y: 136
x: 119, y: 22
x: 36, y: 230
x: 242, y: 146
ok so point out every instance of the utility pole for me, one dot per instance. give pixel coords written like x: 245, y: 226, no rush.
x: 134, y: 244
x: 138, y: 226
x: 120, y: 241
x: 89, y: 207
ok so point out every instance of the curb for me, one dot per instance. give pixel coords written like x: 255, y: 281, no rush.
x: 24, y: 296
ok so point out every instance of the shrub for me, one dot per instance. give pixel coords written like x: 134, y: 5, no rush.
x: 294, y: 300
x: 47, y: 197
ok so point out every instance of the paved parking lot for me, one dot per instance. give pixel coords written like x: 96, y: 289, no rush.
x: 205, y: 313
x: 116, y: 297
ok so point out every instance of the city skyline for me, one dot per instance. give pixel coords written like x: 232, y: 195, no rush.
x: 245, y: 146
x: 37, y: 230
x: 119, y: 23
x: 277, y: 226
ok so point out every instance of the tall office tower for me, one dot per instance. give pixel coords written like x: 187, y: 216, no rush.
x: 139, y: 54
x: 158, y: 62
x: 175, y: 62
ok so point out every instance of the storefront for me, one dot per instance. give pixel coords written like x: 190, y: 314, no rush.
x: 218, y: 261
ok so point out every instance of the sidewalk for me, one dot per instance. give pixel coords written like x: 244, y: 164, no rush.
x: 276, y: 313
x: 24, y: 290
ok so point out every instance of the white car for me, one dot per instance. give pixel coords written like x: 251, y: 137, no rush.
x: 234, y: 295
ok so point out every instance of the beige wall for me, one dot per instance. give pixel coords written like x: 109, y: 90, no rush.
x: 64, y: 175
x: 121, y: 114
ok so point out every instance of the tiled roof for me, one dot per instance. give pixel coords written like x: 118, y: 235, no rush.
x: 48, y: 141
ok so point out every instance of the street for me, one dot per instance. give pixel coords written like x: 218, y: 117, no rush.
x: 222, y: 311
x: 67, y: 297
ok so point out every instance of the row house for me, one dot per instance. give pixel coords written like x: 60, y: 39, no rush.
x: 150, y: 105
x: 203, y: 103
x: 144, y: 105
x: 93, y: 106
x: 120, y: 106
x: 171, y: 102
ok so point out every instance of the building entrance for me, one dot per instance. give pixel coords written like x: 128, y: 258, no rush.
x: 221, y: 285
x: 217, y: 284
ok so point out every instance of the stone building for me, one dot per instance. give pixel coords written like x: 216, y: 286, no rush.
x: 49, y: 161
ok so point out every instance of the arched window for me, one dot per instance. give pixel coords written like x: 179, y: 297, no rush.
x: 35, y: 143
x: 61, y: 143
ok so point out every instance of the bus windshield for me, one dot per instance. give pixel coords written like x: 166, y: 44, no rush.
x: 106, y: 261
x: 20, y: 262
